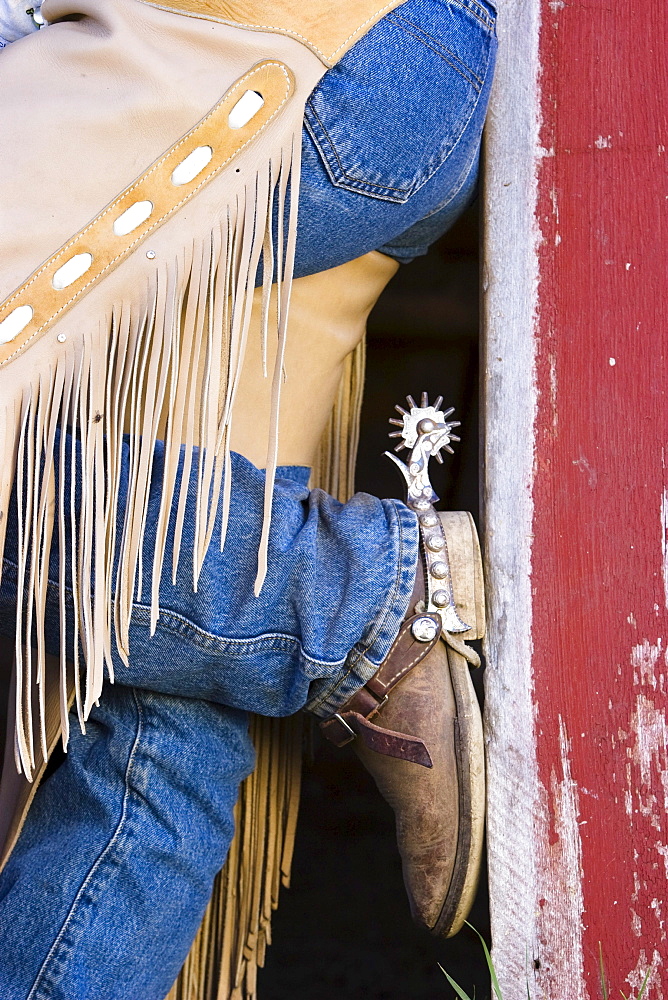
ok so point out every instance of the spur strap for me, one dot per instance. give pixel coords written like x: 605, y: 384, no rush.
x: 353, y: 718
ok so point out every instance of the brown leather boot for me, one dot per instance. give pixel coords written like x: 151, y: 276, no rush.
x: 416, y: 724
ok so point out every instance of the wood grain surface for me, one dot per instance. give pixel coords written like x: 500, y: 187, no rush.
x: 581, y: 791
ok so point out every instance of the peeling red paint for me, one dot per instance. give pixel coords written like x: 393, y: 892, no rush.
x: 600, y: 563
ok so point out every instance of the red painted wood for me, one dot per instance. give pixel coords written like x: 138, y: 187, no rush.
x: 600, y: 596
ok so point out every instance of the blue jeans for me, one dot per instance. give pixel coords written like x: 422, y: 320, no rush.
x: 392, y: 135
x: 337, y: 588
x: 106, y: 886
x: 121, y: 847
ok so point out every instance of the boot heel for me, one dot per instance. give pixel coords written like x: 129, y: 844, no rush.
x: 468, y: 592
x: 466, y: 569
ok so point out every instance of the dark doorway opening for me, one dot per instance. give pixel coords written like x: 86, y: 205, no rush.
x: 343, y: 931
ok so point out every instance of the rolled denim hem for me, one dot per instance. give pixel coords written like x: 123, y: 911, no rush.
x: 327, y: 695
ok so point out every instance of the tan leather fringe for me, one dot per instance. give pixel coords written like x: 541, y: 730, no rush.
x: 231, y: 943
x: 334, y: 466
x: 166, y: 367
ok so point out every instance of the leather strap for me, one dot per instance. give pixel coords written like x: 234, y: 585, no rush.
x: 353, y: 718
x: 376, y: 738
x: 41, y: 297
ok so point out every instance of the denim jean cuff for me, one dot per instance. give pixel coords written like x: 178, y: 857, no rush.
x: 327, y: 695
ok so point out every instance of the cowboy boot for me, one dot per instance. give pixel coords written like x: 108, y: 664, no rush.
x: 416, y: 725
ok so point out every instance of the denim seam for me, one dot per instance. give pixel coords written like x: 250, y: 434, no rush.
x: 45, y: 974
x: 360, y: 650
x: 477, y: 11
x: 402, y: 251
x: 179, y: 625
x: 208, y: 641
x: 402, y: 514
x: 415, y: 31
x: 461, y: 134
x: 463, y: 177
x: 356, y: 654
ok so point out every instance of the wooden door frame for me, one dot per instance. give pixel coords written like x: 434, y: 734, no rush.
x: 509, y: 286
x: 575, y: 256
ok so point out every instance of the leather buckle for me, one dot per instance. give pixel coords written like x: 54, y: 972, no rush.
x: 345, y: 725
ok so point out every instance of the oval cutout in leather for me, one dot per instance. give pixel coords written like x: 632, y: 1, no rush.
x: 194, y: 163
x: 71, y: 270
x: 246, y: 108
x: 132, y: 217
x: 15, y: 322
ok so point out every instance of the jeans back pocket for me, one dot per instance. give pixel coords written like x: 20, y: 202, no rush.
x: 389, y: 114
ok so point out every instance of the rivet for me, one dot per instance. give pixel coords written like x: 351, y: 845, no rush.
x: 424, y: 629
x: 429, y: 520
x: 426, y: 425
x: 61, y: 338
x: 441, y: 598
x: 150, y: 254
x: 439, y: 570
x: 436, y: 543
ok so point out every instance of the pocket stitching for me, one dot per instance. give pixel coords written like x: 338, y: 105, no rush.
x: 353, y: 181
x: 429, y: 174
x: 329, y: 153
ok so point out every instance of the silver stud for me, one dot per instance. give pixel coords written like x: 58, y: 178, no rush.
x: 436, y: 543
x: 426, y: 426
x: 150, y: 254
x: 441, y: 598
x: 439, y: 570
x: 428, y: 520
x: 61, y: 338
x: 424, y: 629
x: 422, y: 504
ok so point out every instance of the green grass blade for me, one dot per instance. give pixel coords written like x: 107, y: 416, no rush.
x: 458, y: 990
x: 488, y: 959
x: 601, y: 971
x: 642, y: 988
x: 605, y: 990
x: 644, y: 983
